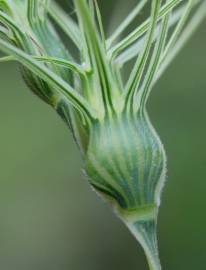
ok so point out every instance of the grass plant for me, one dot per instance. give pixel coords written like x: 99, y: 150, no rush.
x: 124, y: 159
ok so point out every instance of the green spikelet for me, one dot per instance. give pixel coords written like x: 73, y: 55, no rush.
x: 124, y: 159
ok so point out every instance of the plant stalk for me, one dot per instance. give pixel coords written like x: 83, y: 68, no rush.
x: 144, y: 229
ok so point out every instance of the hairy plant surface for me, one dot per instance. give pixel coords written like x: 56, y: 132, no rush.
x: 124, y: 158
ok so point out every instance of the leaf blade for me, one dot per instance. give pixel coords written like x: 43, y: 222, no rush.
x: 50, y: 77
x: 66, y: 23
x: 126, y: 22
x: 134, y: 35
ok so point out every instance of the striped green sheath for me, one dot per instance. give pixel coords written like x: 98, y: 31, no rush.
x: 126, y: 164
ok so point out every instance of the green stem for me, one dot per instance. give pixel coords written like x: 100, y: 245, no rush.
x: 143, y: 227
x: 145, y: 233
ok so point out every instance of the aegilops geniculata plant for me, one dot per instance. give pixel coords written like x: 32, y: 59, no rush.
x: 124, y: 158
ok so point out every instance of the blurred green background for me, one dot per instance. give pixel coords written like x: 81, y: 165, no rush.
x: 49, y: 216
